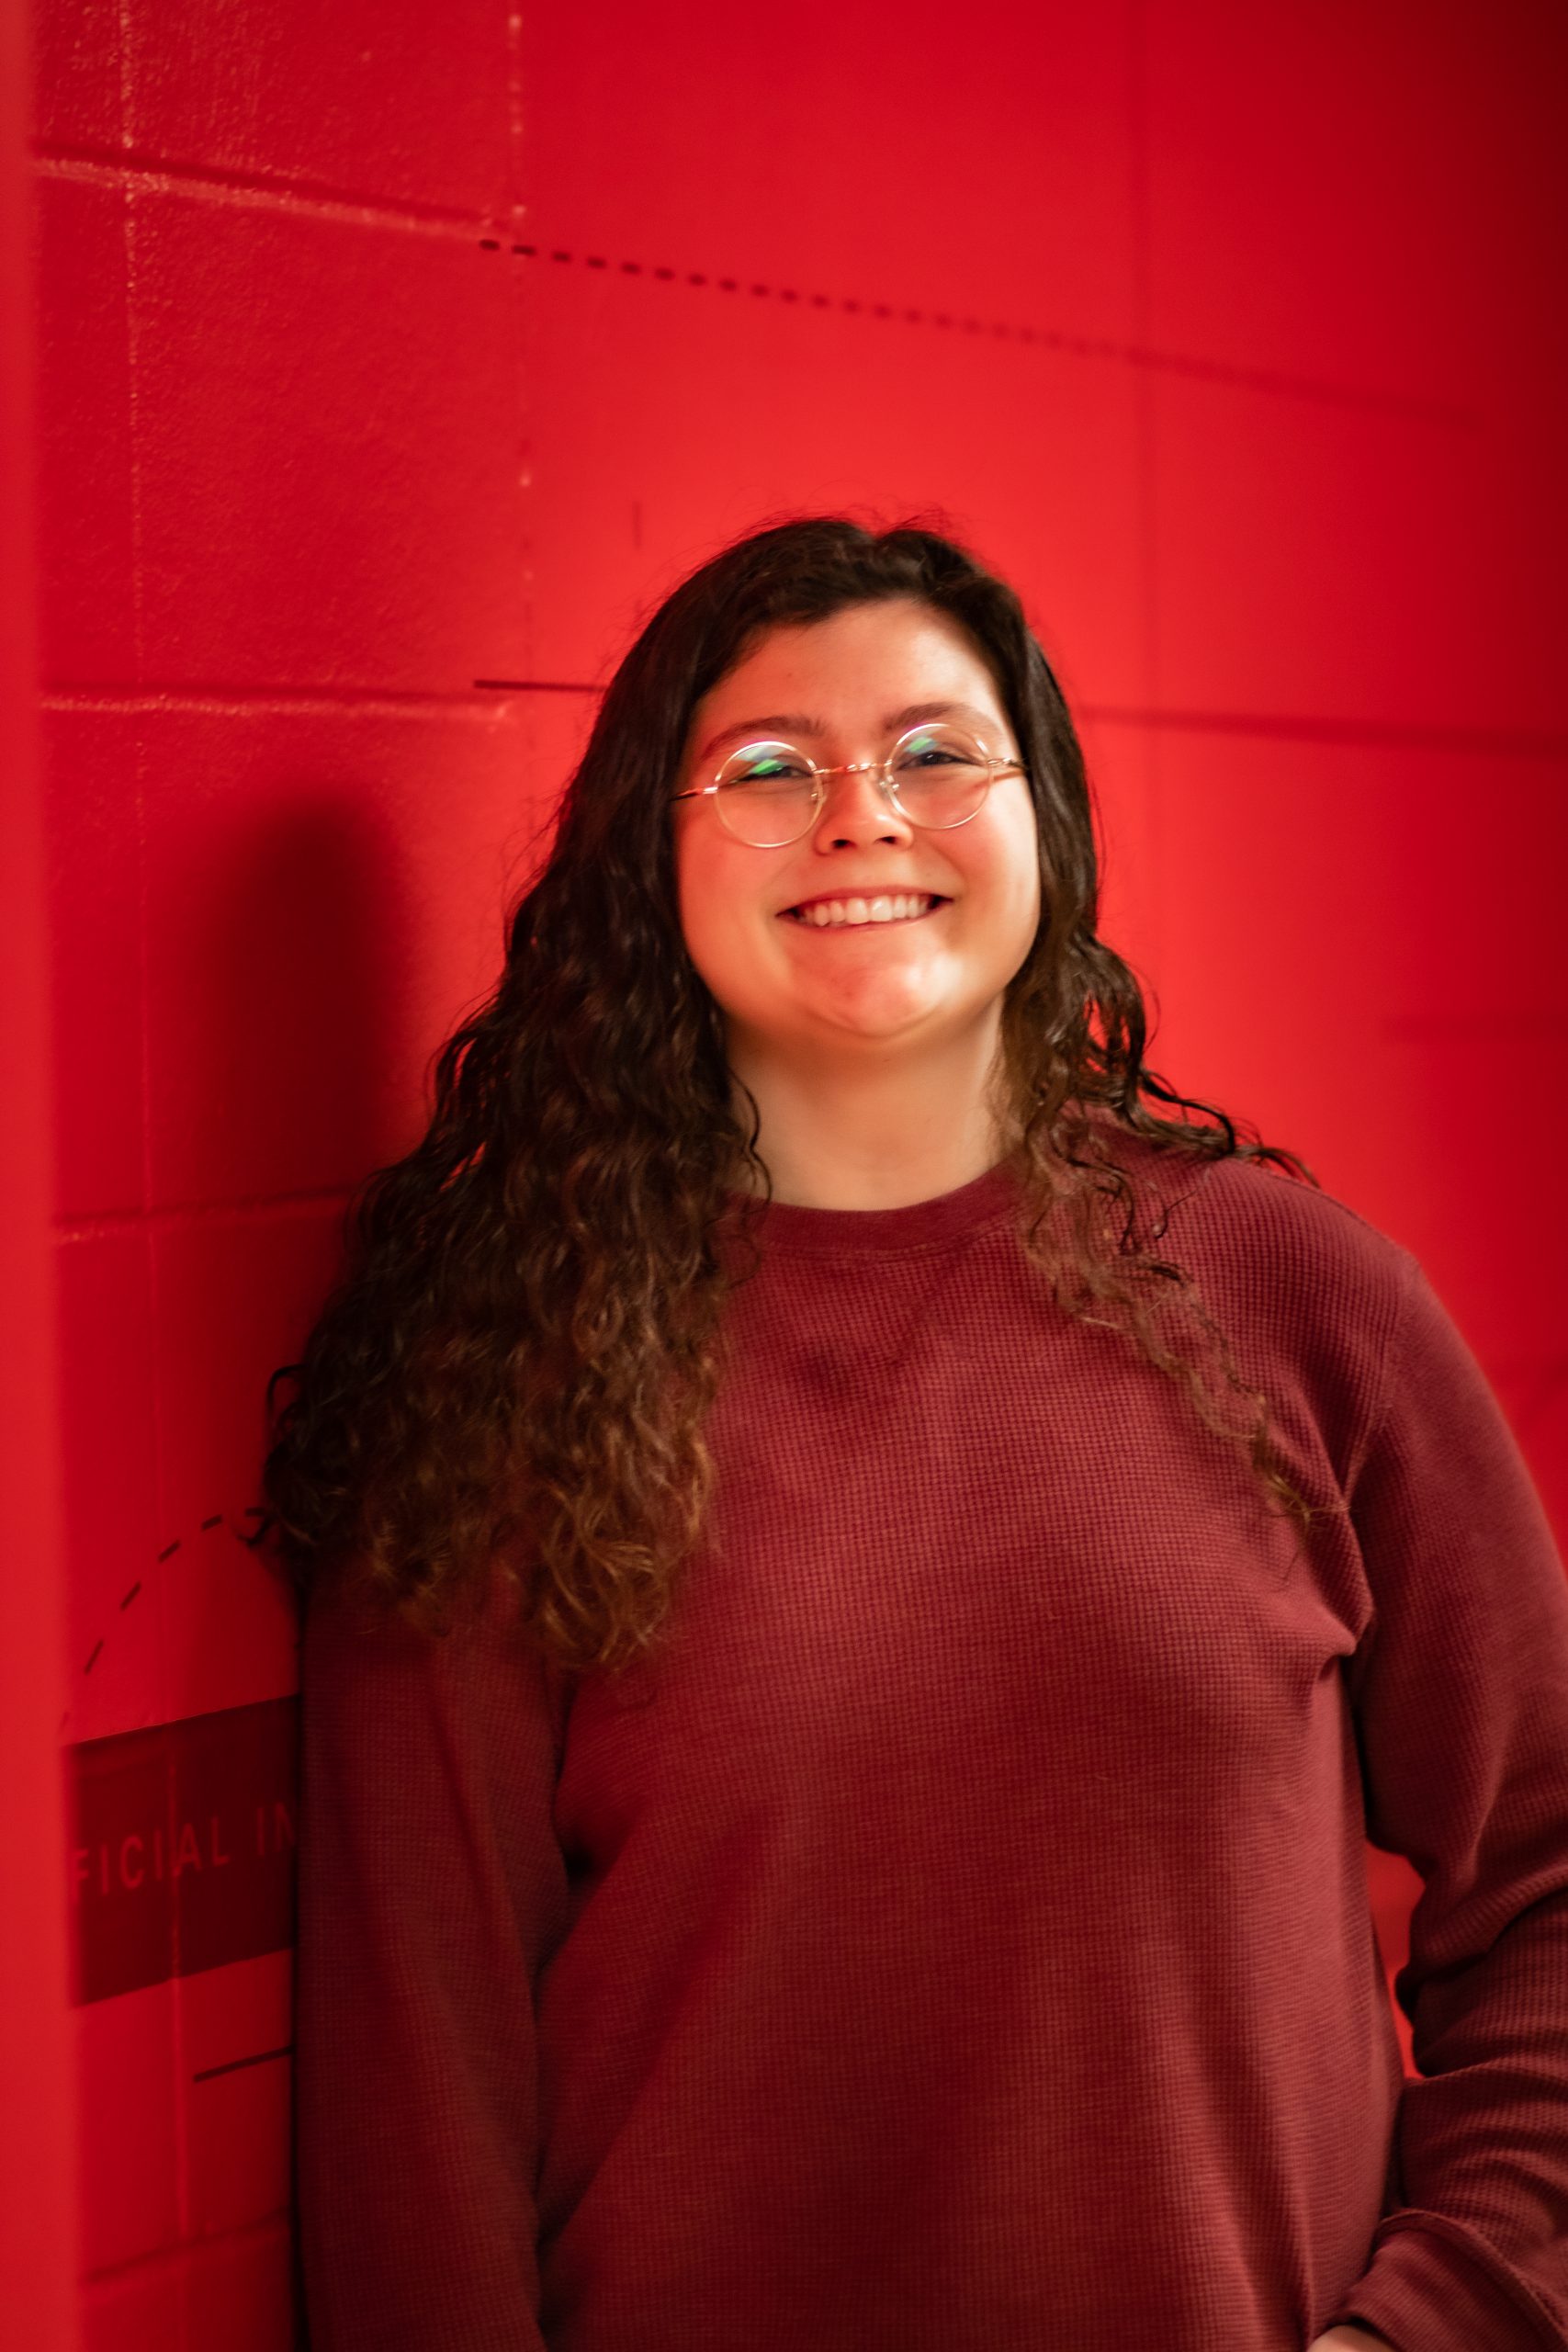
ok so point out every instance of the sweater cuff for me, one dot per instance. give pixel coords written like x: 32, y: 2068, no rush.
x: 1434, y: 2284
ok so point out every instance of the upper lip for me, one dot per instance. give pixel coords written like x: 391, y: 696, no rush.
x: 864, y: 890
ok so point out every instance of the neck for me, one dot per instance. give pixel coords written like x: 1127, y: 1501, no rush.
x: 868, y: 1132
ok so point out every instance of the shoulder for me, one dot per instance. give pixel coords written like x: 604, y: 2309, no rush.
x: 1252, y: 1207
x: 1260, y: 1211
x: 1309, y: 1288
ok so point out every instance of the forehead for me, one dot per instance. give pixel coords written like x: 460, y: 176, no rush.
x: 852, y: 675
x: 861, y: 652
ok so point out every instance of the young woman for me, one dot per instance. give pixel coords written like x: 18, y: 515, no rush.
x: 865, y: 1590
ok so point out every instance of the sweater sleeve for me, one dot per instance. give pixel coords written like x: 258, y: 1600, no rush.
x: 430, y: 1889
x: 1459, y: 1691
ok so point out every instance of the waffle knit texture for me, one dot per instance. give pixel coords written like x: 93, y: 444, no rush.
x: 959, y: 1940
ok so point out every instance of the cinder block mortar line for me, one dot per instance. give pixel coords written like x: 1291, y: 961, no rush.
x: 94, y: 1225
x: 291, y: 702
x: 1146, y: 446
x: 488, y: 698
x: 1353, y: 734
x: 177, y: 2258
x: 255, y: 192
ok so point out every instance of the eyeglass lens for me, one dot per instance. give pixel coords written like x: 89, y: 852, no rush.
x: 767, y: 793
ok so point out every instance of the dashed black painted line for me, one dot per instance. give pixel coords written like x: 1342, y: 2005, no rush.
x: 205, y: 1527
x: 1264, y: 380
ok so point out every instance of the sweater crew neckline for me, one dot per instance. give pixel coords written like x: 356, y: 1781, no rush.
x: 944, y: 1219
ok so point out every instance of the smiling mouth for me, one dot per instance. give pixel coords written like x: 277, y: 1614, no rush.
x: 884, y: 911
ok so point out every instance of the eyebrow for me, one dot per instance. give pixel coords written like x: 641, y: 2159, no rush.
x: 790, y: 723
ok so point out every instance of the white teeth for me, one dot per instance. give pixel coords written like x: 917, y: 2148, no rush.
x: 897, y: 907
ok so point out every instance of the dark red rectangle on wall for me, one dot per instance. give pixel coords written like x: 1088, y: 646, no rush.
x: 181, y: 1851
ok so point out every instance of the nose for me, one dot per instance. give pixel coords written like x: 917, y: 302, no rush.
x: 858, y: 809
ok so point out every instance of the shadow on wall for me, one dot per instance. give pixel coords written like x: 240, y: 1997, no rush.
x: 295, y: 1065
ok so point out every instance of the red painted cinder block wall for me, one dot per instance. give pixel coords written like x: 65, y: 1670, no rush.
x: 392, y: 363
x: 39, y: 2202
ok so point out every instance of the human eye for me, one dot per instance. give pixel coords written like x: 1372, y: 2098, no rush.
x: 936, y: 747
x: 767, y: 764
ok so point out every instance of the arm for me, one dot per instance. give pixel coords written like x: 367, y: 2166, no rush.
x: 1459, y: 1692
x: 430, y: 1887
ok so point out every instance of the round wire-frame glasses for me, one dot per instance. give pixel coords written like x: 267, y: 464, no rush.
x: 784, y: 813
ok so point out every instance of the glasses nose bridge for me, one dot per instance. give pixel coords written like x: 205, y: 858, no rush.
x: 884, y: 811
x: 880, y: 771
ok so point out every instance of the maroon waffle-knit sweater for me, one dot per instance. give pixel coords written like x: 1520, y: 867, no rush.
x: 959, y: 1941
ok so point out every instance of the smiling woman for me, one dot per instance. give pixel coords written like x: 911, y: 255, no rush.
x: 662, y: 1045
x: 834, y: 1795
x: 866, y: 1038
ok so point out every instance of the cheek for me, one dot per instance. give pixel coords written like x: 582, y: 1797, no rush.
x: 708, y: 900
x: 1016, y: 903
x: 1023, y: 850
x: 1032, y: 902
x: 1012, y: 879
x: 694, y: 885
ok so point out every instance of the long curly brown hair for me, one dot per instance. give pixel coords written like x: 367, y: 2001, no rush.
x: 516, y: 1363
